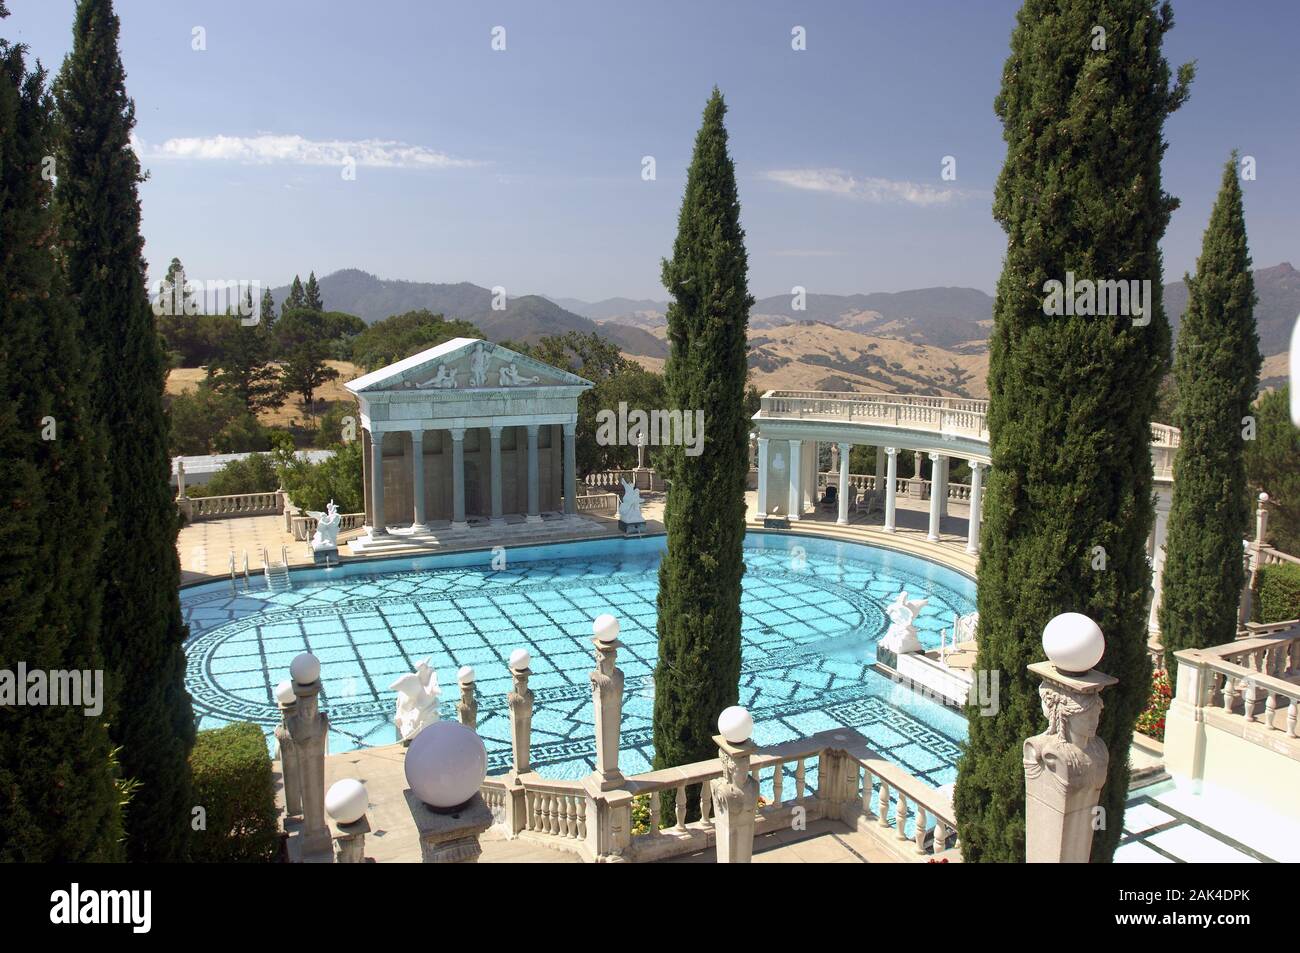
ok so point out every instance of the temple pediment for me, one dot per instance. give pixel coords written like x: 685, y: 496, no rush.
x: 466, y: 364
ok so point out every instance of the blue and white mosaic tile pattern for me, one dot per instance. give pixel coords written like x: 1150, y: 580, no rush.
x: 813, y: 612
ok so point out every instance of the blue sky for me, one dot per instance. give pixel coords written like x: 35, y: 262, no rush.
x: 522, y: 168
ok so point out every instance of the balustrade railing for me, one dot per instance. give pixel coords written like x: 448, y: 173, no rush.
x: 866, y: 483
x: 1250, y: 679
x: 303, y: 526
x: 597, y: 503
x: 239, y: 504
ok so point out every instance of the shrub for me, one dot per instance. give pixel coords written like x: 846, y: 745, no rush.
x: 312, y: 485
x: 234, y: 786
x: 254, y: 474
x: 1152, y: 721
x: 1277, y: 593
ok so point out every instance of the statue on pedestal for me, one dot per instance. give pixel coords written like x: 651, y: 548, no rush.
x: 629, y: 508
x: 327, y: 528
x: 901, y: 636
x: 418, y: 694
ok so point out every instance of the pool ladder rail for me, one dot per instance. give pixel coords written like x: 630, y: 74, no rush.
x: 234, y: 573
x: 277, y: 574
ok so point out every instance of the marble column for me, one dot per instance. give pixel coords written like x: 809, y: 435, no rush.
x: 915, y: 486
x: 520, y: 703
x: 417, y: 481
x: 497, y: 518
x: 976, y: 507
x: 810, y: 471
x: 377, y: 526
x: 458, y: 478
x: 1159, y: 534
x: 534, y: 491
x: 891, y: 488
x: 935, y: 497
x: 762, y: 477
x: 1065, y: 767
x: 796, y: 480
x: 570, y: 469
x: 607, y: 700
x: 942, y: 473
x: 843, y: 517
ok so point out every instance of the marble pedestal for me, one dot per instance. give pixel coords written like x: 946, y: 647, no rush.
x: 450, y: 838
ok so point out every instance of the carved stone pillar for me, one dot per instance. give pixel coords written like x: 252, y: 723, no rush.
x: 891, y: 489
x: 467, y: 707
x: 1065, y: 767
x: 762, y: 477
x: 377, y: 523
x: 309, y: 729
x: 534, y: 491
x: 494, y: 433
x: 520, y: 701
x: 842, y: 517
x: 289, y: 769
x: 417, y: 481
x: 936, y: 496
x: 796, y: 476
x: 976, y: 507
x: 735, y: 797
x: 350, y: 841
x: 458, y: 478
x: 570, y: 469
x: 607, y: 699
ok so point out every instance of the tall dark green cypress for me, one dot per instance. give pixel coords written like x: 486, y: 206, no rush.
x: 143, y: 633
x: 296, y: 299
x: 698, y: 672
x: 311, y: 295
x: 1071, y: 397
x: 1216, y: 369
x: 58, y: 796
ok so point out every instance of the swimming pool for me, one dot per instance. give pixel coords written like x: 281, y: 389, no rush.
x: 813, y: 611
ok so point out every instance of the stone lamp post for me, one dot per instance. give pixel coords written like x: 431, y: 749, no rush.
x: 520, y: 700
x: 287, y: 699
x: 1065, y: 767
x: 445, y: 767
x: 467, y: 707
x: 308, y: 730
x: 607, y: 697
x: 735, y: 794
x: 346, y: 802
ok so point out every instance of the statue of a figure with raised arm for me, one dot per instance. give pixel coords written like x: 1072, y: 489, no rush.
x: 327, y: 527
x: 478, y: 366
x: 901, y: 636
x: 629, y: 508
x: 418, y: 694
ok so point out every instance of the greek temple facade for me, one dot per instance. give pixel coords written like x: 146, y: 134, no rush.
x: 463, y: 437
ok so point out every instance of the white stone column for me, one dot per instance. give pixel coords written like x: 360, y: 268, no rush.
x: 1065, y: 767
x: 796, y: 480
x: 1159, y: 533
x: 309, y: 728
x: 534, y: 508
x: 498, y: 518
x: 735, y: 797
x: 377, y: 484
x: 811, y: 471
x: 976, y: 507
x: 843, y: 517
x: 520, y: 701
x: 289, y: 769
x: 891, y: 488
x: 935, y: 496
x: 458, y: 478
x: 941, y: 472
x: 570, y: 468
x: 762, y: 477
x: 418, y: 524
x: 607, y: 700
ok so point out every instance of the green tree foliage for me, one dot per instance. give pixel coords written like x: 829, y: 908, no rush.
x: 242, y: 365
x: 1071, y: 397
x: 58, y: 799
x: 312, y: 485
x: 206, y: 420
x: 143, y: 633
x: 698, y: 671
x: 617, y: 379
x: 296, y: 300
x: 401, y: 335
x: 268, y: 311
x: 306, y: 340
x: 234, y: 783
x: 1273, y: 465
x: 311, y: 299
x: 255, y: 473
x: 1216, y: 370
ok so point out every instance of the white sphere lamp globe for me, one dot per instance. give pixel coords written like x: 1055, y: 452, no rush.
x: 305, y: 668
x: 735, y: 724
x: 284, y: 693
x: 1263, y: 497
x: 519, y: 660
x: 445, y: 765
x: 465, y: 675
x: 1073, y: 642
x: 605, y: 628
x: 346, y: 801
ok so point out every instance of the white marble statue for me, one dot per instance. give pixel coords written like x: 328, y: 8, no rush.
x: 901, y: 636
x: 629, y: 508
x: 510, y: 377
x: 966, y: 628
x: 327, y: 527
x: 418, y: 694
x: 478, y: 366
x: 443, y: 380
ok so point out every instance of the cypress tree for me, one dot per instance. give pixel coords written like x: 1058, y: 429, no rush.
x: 58, y: 794
x: 698, y: 671
x: 311, y: 295
x: 1216, y: 370
x: 1069, y: 499
x: 142, y: 632
x: 268, y: 312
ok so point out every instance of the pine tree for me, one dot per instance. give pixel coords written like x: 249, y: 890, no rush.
x: 1216, y: 369
x: 296, y: 299
x: 1068, y: 505
x: 58, y: 793
x: 311, y: 295
x: 268, y: 312
x: 143, y: 633
x: 698, y: 672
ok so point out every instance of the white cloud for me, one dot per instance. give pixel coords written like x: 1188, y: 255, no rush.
x: 267, y: 149
x: 876, y: 190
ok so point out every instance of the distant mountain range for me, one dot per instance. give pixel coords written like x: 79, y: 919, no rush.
x: 947, y: 328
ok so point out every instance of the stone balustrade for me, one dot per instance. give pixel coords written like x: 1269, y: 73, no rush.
x: 598, y: 503
x: 866, y: 483
x: 239, y: 504
x: 643, y: 479
x: 303, y: 525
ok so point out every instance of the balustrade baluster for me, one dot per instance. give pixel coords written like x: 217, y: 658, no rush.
x: 1270, y: 710
x: 1291, y: 718
x: 655, y: 807
x: 778, y: 780
x: 940, y: 834
x: 882, y: 809
x: 919, y: 837
x: 866, y: 790
x: 799, y: 786
x: 706, y: 805
x: 681, y: 807
x: 900, y: 816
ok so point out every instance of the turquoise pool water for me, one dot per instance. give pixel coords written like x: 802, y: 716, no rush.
x: 813, y: 612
